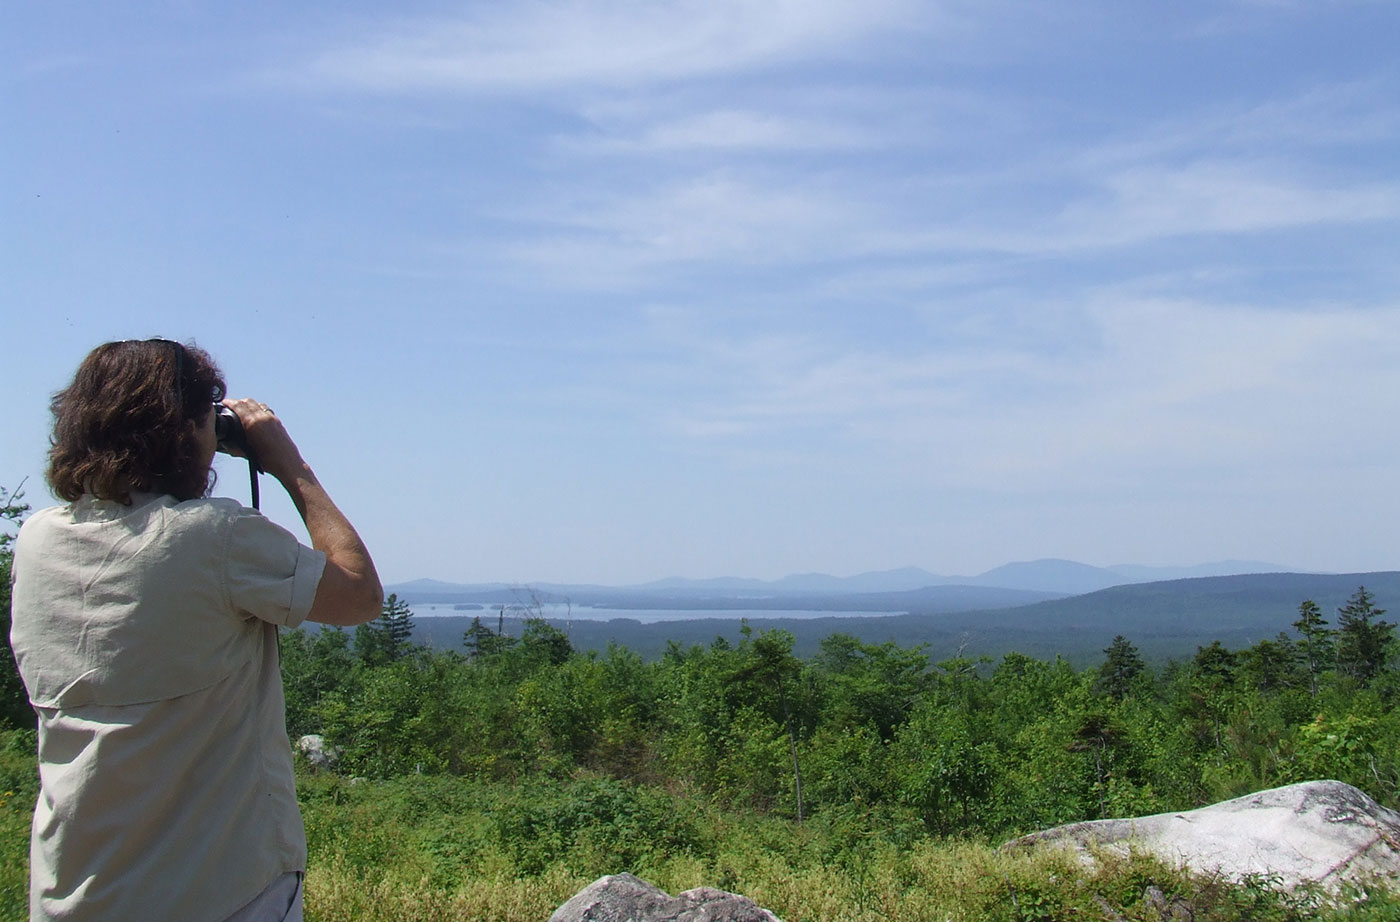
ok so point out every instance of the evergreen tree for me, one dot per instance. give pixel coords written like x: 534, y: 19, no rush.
x: 1215, y: 665
x: 1363, y: 640
x: 1316, y: 646
x: 1272, y: 664
x: 482, y: 642
x: 1212, y: 692
x: 1121, y: 666
x: 386, y: 638
x: 366, y: 645
x: 477, y: 638
x: 397, y: 620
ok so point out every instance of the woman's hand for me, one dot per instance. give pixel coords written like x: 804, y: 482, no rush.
x: 272, y: 446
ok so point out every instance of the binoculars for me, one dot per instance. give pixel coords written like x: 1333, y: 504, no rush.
x: 229, y: 435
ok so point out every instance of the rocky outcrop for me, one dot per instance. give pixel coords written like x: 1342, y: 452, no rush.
x: 624, y: 898
x: 318, y: 755
x: 1322, y: 832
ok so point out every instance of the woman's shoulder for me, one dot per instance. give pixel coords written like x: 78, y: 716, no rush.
x: 210, y: 506
x: 207, y: 513
x: 40, y: 523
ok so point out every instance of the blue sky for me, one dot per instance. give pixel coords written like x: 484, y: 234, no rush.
x: 605, y: 291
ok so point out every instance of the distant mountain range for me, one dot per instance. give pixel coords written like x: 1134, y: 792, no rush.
x: 1045, y: 578
x: 1164, y: 619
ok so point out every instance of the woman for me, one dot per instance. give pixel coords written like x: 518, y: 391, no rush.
x: 145, y: 620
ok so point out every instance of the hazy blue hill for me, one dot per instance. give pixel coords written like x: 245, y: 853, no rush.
x: 1173, y: 617
x: 902, y: 579
x: 725, y: 595
x: 1139, y: 574
x: 437, y: 586
x: 718, y: 583
x: 897, y: 580
x: 1243, y: 605
x: 1064, y: 576
x: 435, y: 590
x: 932, y: 599
x: 1164, y: 619
x: 1055, y: 577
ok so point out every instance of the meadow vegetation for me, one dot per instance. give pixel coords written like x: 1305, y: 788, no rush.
x: 866, y: 782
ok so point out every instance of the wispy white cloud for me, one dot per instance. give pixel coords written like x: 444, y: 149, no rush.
x: 842, y: 118
x: 568, y: 43
x: 1297, y: 124
x: 711, y: 219
x: 837, y: 224
x: 1236, y: 174
x: 1201, y: 390
x: 1330, y: 114
x: 1222, y: 171
x: 1214, y: 197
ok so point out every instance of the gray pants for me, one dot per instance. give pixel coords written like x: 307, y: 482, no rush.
x: 280, y: 901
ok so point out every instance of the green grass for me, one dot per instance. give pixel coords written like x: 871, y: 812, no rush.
x: 430, y: 848
x: 19, y: 784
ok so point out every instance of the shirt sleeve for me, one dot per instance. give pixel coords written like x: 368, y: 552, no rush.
x: 270, y: 574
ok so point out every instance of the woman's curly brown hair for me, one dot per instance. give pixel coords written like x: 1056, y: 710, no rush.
x: 123, y: 424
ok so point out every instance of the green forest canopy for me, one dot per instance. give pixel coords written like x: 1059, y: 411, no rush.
x: 873, y: 731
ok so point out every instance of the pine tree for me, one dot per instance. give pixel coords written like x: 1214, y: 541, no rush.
x: 1215, y: 665
x: 1121, y: 666
x: 1316, y: 647
x: 482, y: 642
x: 1212, y: 687
x: 1272, y: 664
x: 396, y: 623
x: 1363, y: 640
x: 477, y: 639
x: 386, y: 638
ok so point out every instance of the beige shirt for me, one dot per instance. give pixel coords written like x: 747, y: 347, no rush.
x: 146, y: 636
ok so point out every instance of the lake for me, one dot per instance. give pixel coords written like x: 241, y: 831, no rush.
x: 560, y: 612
